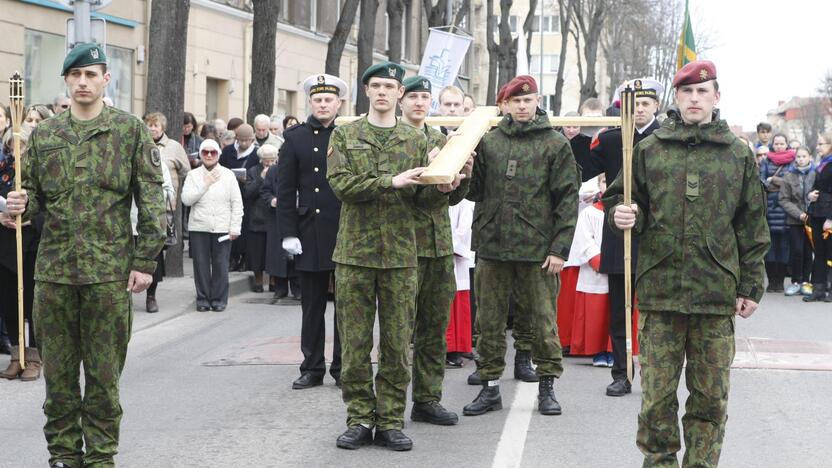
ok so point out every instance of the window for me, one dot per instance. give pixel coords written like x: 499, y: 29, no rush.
x: 120, y: 89
x: 550, y: 64
x: 297, y: 13
x: 327, y: 13
x: 285, y: 102
x: 547, y: 102
x: 550, y: 23
x: 43, y: 58
x: 216, y: 99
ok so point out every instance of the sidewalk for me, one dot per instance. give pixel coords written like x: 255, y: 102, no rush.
x: 177, y: 296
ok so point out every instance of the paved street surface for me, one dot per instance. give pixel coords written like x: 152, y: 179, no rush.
x: 215, y: 389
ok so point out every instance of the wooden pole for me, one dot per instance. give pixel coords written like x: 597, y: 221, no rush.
x: 627, y: 129
x: 16, y: 106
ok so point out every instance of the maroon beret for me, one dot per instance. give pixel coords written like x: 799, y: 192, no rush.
x: 694, y: 72
x: 501, y: 94
x: 520, y: 86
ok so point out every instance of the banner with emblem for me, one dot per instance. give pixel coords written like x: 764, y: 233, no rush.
x: 444, y: 53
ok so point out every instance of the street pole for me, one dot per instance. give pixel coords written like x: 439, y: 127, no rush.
x: 82, y: 21
x: 540, y: 38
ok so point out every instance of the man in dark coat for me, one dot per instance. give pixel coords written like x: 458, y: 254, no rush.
x: 308, y: 212
x: 607, y: 157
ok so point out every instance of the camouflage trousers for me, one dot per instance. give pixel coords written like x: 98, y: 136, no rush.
x: 436, y: 290
x: 87, y: 324
x: 665, y: 339
x: 521, y: 329
x: 536, y: 293
x: 359, y: 292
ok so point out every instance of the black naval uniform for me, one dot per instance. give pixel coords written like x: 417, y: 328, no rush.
x: 607, y: 157
x: 308, y: 209
x: 580, y: 148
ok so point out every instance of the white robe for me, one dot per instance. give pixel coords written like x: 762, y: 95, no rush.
x: 586, y: 244
x: 462, y: 216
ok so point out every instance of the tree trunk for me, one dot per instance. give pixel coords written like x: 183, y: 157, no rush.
x: 563, y: 8
x: 366, y: 32
x: 507, y: 49
x: 168, y: 31
x: 589, y: 17
x: 263, y: 58
x: 490, y: 26
x: 436, y: 13
x: 463, y: 13
x: 395, y: 9
x: 335, y: 48
x: 528, y: 30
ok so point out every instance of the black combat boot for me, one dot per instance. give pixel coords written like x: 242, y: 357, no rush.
x: 523, y: 369
x: 433, y: 412
x: 393, y: 439
x: 354, y: 437
x: 474, y: 378
x: 818, y: 293
x: 488, y: 399
x: 546, y: 401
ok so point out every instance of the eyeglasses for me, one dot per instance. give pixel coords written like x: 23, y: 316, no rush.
x: 211, y: 152
x: 64, y: 106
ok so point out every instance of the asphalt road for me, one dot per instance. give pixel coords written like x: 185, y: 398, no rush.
x: 214, y: 389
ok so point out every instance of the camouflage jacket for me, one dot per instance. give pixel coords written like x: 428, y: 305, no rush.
x: 84, y: 187
x: 433, y: 225
x: 701, y: 222
x: 377, y: 227
x: 525, y: 183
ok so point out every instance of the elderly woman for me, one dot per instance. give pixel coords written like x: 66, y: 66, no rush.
x: 279, y: 265
x: 216, y: 216
x: 260, y: 212
x: 173, y: 154
x: 8, y: 270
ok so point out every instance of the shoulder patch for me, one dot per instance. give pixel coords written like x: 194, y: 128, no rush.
x: 155, y: 156
x: 329, y: 152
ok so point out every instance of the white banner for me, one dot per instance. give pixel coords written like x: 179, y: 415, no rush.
x: 444, y: 53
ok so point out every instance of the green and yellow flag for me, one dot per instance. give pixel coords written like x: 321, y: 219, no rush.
x: 686, y: 51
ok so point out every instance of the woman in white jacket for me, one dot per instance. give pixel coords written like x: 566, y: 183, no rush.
x: 213, y: 194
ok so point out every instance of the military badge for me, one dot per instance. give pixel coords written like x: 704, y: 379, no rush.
x: 155, y: 157
x: 321, y: 79
x: 425, y: 84
x: 703, y: 74
x: 329, y: 152
x: 525, y: 88
x: 94, y: 54
x: 391, y: 71
x: 637, y: 84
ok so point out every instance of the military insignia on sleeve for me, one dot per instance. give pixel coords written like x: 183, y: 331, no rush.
x: 329, y: 152
x: 155, y: 157
x: 525, y: 87
x: 703, y: 74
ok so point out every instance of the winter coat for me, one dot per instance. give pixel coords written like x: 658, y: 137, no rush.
x: 796, y: 187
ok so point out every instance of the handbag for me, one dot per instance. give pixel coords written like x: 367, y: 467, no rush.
x: 776, y: 182
x: 170, y: 213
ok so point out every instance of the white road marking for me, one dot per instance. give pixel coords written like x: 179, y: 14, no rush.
x: 513, y: 439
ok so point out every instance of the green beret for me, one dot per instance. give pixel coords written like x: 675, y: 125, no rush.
x: 384, y: 70
x: 416, y: 83
x: 83, y: 55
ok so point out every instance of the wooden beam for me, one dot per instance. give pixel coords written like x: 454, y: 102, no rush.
x: 555, y: 121
x: 458, y: 149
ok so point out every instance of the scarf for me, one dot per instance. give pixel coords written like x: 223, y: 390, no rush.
x: 823, y: 162
x: 782, y: 157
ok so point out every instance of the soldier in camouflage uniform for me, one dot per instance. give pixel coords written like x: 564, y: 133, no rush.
x: 436, y: 283
x: 375, y: 257
x: 525, y: 184
x: 699, y: 215
x: 83, y: 169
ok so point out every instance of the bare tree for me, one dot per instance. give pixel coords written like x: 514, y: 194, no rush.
x: 166, y: 65
x: 395, y: 10
x: 589, y: 17
x: 563, y: 19
x: 436, y: 12
x: 507, y: 47
x: 490, y: 27
x: 462, y: 13
x: 263, y: 73
x: 335, y: 48
x: 528, y: 30
x: 825, y: 88
x: 366, y: 33
x: 813, y: 113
